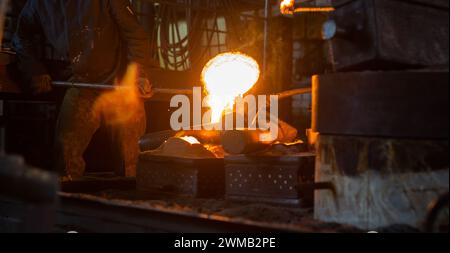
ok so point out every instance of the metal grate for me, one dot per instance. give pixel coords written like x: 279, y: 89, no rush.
x: 200, y: 178
x: 270, y: 179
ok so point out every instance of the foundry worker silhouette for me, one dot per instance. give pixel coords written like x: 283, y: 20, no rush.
x: 89, y: 42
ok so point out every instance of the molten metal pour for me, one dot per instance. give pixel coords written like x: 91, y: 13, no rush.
x: 226, y: 77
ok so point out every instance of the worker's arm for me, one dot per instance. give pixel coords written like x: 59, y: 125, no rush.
x: 137, y: 40
x: 24, y: 43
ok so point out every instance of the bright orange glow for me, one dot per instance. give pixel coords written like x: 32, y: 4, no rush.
x: 226, y: 77
x: 191, y: 140
x: 267, y: 138
x: 287, y: 7
x: 314, y: 9
x: 121, y: 105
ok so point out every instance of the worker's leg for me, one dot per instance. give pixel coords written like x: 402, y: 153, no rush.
x: 126, y: 135
x: 77, y: 123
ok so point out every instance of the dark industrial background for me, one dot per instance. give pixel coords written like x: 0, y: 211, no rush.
x: 380, y: 98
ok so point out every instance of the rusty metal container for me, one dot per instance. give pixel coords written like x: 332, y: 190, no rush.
x: 269, y: 179
x: 199, y: 178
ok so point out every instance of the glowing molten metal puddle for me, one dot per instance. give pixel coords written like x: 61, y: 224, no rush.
x: 191, y: 140
x: 226, y: 77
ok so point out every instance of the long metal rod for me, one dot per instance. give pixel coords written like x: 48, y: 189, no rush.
x: 314, y: 9
x: 294, y: 92
x: 281, y: 95
x: 115, y: 87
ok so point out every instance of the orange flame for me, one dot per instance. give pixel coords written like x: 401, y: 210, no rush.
x: 191, y: 140
x: 226, y: 77
x: 120, y: 105
x: 287, y: 7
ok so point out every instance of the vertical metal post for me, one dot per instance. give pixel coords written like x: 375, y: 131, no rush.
x: 267, y: 15
x: 3, y: 9
x: 2, y: 130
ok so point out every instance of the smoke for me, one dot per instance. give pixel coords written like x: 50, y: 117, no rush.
x: 120, y: 105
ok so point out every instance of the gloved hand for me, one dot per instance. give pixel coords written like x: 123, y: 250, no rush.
x: 41, y: 84
x: 145, y: 88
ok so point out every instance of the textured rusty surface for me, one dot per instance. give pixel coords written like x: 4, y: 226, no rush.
x: 385, y: 34
x: 115, y: 211
x: 181, y: 176
x: 272, y: 179
x: 380, y: 182
x: 384, y: 104
x: 177, y: 214
x: 351, y: 156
